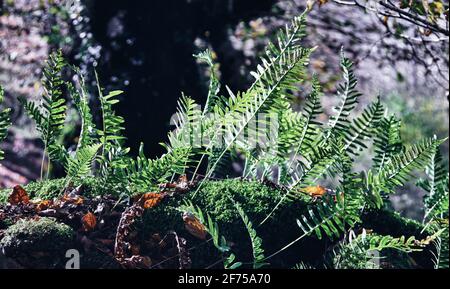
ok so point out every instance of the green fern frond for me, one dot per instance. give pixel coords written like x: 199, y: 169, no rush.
x: 324, y: 218
x: 437, y: 186
x: 401, y: 166
x: 258, y: 250
x: 111, y: 132
x: 387, y: 141
x: 348, y: 95
x: 5, y: 121
x: 81, y: 164
x: 310, y: 124
x: 358, y: 251
x: 441, y: 252
x: 145, y: 174
x: 283, y: 66
x: 303, y: 266
x: 188, y: 125
x: 213, y: 98
x: 403, y: 244
x: 81, y: 101
x: 50, y: 115
x: 362, y: 128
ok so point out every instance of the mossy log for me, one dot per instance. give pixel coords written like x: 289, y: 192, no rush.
x: 215, y: 197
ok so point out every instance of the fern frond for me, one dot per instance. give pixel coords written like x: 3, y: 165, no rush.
x: 303, y: 266
x: 213, y: 98
x: 358, y: 251
x: 362, y: 128
x: 401, y: 166
x: 5, y: 121
x: 403, y: 244
x: 81, y: 164
x: 111, y: 131
x: 310, y: 124
x: 441, y: 252
x: 282, y: 67
x: 50, y: 115
x: 81, y: 101
x: 348, y: 95
x: 145, y: 174
x: 258, y: 250
x: 188, y: 123
x: 387, y: 141
x: 437, y: 186
x: 324, y: 218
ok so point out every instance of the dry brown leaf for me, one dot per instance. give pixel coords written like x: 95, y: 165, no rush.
x: 151, y: 199
x: 43, y: 205
x: 322, y: 2
x: 194, y: 227
x: 75, y: 199
x: 315, y: 191
x: 18, y: 196
x: 89, y: 221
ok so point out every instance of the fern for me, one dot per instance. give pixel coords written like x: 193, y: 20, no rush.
x: 362, y: 128
x: 50, y: 115
x: 399, y: 169
x: 282, y: 66
x: 213, y: 98
x: 441, y: 252
x: 112, y: 124
x: 81, y: 164
x: 358, y: 251
x: 348, y: 99
x: 436, y: 202
x: 81, y: 101
x: 258, y: 251
x: 310, y: 124
x: 387, y: 141
x: 144, y: 174
x: 5, y: 121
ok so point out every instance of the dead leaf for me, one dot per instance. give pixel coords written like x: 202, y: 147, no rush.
x: 72, y: 198
x: 18, y: 196
x: 151, y: 199
x: 43, y: 205
x: 322, y: 2
x: 194, y: 227
x: 89, y: 221
x: 315, y: 191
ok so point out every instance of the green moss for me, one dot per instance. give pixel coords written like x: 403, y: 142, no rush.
x: 386, y: 222
x: 37, y: 242
x: 4, y: 193
x: 49, y: 189
x: 256, y: 199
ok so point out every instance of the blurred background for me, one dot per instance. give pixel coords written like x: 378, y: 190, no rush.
x: 145, y: 48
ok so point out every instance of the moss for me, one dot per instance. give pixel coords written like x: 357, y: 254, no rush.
x: 4, y: 193
x: 385, y: 222
x: 37, y: 243
x: 49, y: 189
x: 257, y: 200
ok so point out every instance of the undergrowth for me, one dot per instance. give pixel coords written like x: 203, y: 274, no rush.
x: 276, y: 214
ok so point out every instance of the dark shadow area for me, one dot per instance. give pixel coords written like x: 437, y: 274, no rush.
x: 147, y: 51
